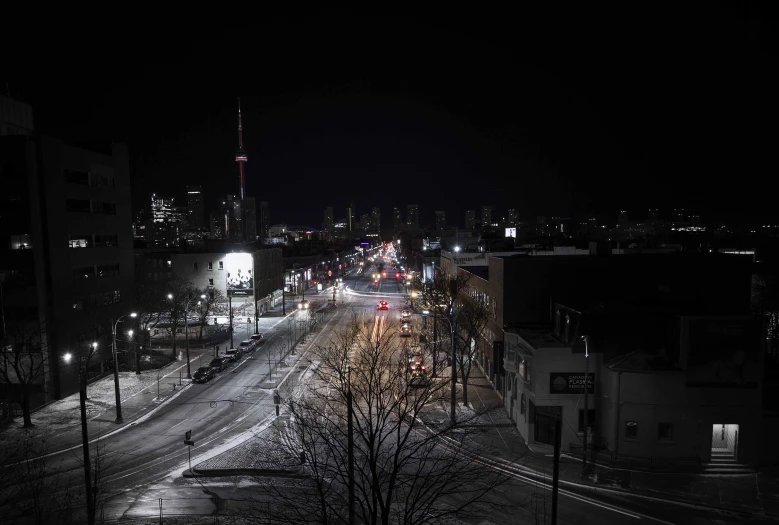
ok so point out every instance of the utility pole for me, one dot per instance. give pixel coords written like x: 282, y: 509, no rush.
x: 350, y: 447
x: 435, y: 344
x: 556, y: 468
x: 82, y: 395
x: 230, y: 314
x: 453, y: 297
x: 586, y: 404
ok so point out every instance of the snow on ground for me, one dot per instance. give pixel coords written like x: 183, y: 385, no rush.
x: 64, y: 413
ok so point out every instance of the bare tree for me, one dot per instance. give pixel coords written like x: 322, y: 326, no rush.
x: 177, y: 293
x: 149, y: 305
x: 208, y: 306
x: 472, y: 317
x: 402, y: 471
x: 23, y: 361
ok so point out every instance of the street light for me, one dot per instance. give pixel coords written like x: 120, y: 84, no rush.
x: 82, y: 395
x: 586, y: 340
x: 186, y: 328
x: 116, y: 364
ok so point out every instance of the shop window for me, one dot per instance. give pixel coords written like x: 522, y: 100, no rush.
x: 665, y: 432
x: 590, y: 419
x: 631, y: 429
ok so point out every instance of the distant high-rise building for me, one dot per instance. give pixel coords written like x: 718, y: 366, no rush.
x: 264, y: 220
x: 231, y: 216
x: 364, y: 222
x: 470, y: 219
x: 653, y: 214
x: 412, y: 215
x: 397, y: 217
x: 165, y: 223
x: 251, y: 218
x: 376, y: 219
x: 623, y: 217
x: 440, y: 220
x: 486, y: 216
x: 679, y: 215
x: 328, y: 224
x: 196, y: 213
x: 512, y: 217
x: 15, y: 117
x: 351, y: 217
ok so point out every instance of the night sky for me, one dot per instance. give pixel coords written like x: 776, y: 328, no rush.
x: 552, y: 113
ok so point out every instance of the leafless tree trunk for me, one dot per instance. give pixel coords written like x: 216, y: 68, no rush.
x: 23, y: 360
x: 404, y: 471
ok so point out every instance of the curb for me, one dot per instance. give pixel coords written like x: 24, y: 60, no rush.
x: 207, y: 473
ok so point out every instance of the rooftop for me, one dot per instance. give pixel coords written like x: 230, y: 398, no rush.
x: 643, y: 361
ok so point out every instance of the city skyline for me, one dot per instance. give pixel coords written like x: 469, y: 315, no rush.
x: 555, y: 133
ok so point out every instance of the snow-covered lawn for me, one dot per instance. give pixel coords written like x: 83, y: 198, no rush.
x: 60, y: 415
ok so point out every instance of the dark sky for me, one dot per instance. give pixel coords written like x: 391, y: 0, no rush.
x: 558, y: 112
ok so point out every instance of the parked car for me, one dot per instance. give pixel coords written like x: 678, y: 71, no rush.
x: 232, y: 354
x: 203, y: 374
x: 217, y: 364
x: 258, y: 339
x: 246, y: 346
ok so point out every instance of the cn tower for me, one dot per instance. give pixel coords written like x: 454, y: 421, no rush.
x: 240, y: 156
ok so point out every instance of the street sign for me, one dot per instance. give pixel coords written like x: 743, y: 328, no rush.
x: 189, y: 442
x: 188, y: 435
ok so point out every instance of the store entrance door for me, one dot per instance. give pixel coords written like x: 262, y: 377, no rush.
x: 724, y: 441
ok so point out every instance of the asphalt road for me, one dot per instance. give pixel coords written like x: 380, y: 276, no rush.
x: 144, y: 462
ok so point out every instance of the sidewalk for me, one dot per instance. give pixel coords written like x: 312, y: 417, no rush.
x: 746, y: 493
x: 59, y: 423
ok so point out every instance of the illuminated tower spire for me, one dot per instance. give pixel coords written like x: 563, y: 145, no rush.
x: 240, y: 155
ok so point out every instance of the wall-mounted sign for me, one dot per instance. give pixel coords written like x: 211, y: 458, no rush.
x: 565, y: 383
x: 511, y: 232
x: 240, y: 281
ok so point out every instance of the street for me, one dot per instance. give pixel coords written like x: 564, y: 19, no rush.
x: 143, y: 463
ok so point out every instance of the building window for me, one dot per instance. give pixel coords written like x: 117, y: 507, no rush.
x: 107, y: 269
x: 170, y: 264
x: 76, y: 177
x: 590, y: 419
x: 210, y: 266
x: 83, y: 273
x: 80, y: 241
x: 21, y: 242
x: 194, y: 266
x: 211, y: 282
x: 78, y: 305
x: 221, y: 265
x: 106, y: 241
x: 104, y: 208
x: 102, y: 181
x: 78, y: 206
x: 631, y: 429
x: 665, y: 432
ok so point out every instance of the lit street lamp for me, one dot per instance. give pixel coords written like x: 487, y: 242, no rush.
x: 116, y: 365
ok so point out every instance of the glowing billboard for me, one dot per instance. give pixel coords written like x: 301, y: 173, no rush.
x: 240, y: 280
x: 511, y: 232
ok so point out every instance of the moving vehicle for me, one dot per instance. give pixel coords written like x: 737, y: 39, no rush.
x: 383, y: 305
x: 405, y: 314
x: 203, y: 374
x: 405, y: 330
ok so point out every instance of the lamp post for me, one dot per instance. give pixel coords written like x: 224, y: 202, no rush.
x: 586, y: 340
x: 116, y: 366
x: 82, y: 396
